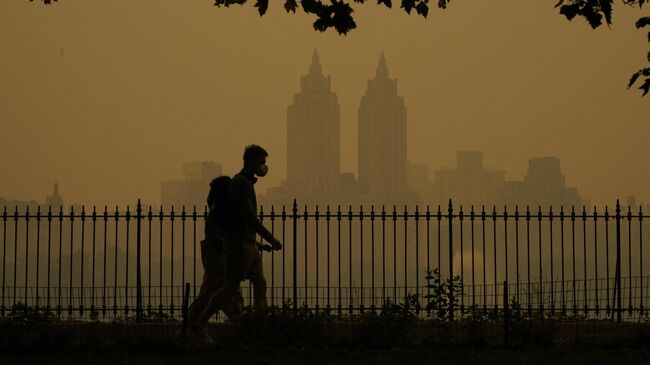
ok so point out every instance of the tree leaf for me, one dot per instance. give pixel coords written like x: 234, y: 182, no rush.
x: 342, y: 17
x: 606, y: 8
x: 388, y: 3
x: 321, y: 24
x: 227, y: 3
x: 422, y: 8
x: 570, y: 11
x: 262, y: 6
x: 645, y: 87
x: 633, y: 79
x: 594, y: 18
x: 313, y: 7
x: 642, y: 22
x: 290, y: 6
x: 407, y: 5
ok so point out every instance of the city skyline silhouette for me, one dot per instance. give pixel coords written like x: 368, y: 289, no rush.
x: 94, y: 106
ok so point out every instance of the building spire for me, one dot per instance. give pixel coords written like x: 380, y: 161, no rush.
x: 382, y: 69
x: 55, y: 200
x: 315, y: 67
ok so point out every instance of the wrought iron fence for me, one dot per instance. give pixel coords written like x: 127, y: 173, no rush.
x: 134, y: 262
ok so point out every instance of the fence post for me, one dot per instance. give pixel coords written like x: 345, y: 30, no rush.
x: 617, y: 280
x: 186, y: 301
x: 506, y: 313
x: 138, y: 305
x: 295, y: 256
x: 450, y: 217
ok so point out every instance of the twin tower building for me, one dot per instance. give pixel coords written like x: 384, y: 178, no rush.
x: 314, y: 139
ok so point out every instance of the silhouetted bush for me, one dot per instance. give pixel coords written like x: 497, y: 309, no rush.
x: 24, y: 314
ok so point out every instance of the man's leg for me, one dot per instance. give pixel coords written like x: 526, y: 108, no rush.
x: 256, y: 275
x: 240, y: 262
x: 259, y: 292
x: 234, y: 266
x: 208, y: 287
x: 216, y: 302
x: 233, y: 306
x: 212, y: 280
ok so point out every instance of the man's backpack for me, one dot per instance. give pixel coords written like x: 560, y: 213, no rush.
x: 218, y: 202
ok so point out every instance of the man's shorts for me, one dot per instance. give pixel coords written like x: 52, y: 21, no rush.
x: 242, y: 261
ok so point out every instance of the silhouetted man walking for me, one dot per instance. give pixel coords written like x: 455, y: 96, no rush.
x: 212, y: 255
x: 242, y: 257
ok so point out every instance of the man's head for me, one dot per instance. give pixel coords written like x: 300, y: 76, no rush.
x: 218, y: 191
x: 255, y: 159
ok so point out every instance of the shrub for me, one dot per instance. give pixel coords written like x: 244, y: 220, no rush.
x: 443, y: 299
x: 24, y: 314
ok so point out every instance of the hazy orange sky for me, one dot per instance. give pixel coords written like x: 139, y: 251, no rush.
x: 110, y: 97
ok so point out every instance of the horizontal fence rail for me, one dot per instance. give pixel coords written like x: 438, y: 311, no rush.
x: 447, y: 262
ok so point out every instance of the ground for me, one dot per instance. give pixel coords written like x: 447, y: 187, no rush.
x: 339, y: 357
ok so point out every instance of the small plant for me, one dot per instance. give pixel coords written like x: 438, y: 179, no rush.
x: 23, y: 314
x: 443, y: 301
x: 94, y: 316
x: 476, y: 313
x: 147, y: 317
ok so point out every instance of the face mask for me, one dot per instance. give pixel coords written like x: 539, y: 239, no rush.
x: 262, y: 170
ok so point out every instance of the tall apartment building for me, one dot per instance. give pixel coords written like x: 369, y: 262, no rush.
x: 382, y: 163
x: 313, y: 145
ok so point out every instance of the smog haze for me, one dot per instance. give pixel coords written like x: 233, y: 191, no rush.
x: 110, y: 98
